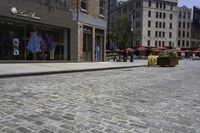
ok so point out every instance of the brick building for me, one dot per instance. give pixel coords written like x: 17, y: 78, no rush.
x: 52, y: 30
x: 91, y: 17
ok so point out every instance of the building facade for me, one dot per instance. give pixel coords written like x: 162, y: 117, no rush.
x: 184, y: 27
x: 154, y: 21
x: 91, y: 16
x: 52, y: 30
x: 195, y: 31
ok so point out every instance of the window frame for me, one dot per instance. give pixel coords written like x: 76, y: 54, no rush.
x: 84, y: 3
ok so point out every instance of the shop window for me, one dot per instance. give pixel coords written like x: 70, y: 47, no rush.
x: 87, y: 43
x: 21, y: 40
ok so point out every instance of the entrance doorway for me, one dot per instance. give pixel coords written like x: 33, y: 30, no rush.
x: 99, y: 45
x: 87, y: 43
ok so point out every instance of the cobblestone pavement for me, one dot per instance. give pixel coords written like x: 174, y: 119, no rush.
x: 138, y: 100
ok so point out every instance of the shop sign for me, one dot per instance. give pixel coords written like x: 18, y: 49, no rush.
x: 24, y: 13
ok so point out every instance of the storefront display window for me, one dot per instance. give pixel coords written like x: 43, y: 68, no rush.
x: 21, y: 40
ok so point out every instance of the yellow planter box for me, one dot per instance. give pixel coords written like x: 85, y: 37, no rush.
x: 152, y: 60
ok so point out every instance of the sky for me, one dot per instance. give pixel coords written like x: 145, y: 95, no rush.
x: 189, y: 3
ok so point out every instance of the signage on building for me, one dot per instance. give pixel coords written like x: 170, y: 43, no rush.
x: 24, y: 13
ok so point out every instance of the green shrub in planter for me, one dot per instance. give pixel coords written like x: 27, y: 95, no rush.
x: 168, y: 58
x: 168, y: 54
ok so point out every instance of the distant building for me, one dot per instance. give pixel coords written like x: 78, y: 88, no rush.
x: 154, y: 22
x: 196, y: 15
x: 184, y: 27
x: 195, y: 31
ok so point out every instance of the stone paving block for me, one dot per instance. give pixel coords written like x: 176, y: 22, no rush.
x: 139, y: 100
x: 68, y: 127
x: 63, y: 131
x: 8, y: 130
x: 23, y: 130
x: 45, y: 131
x: 95, y: 131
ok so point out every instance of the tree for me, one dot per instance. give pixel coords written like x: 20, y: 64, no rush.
x: 120, y: 32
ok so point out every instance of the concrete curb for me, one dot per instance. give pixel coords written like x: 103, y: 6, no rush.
x: 64, y: 71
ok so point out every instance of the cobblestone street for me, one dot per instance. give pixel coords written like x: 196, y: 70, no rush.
x: 137, y: 100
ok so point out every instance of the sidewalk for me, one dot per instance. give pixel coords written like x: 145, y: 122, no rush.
x: 31, y: 69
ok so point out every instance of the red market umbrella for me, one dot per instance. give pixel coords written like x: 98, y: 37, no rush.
x: 117, y: 50
x: 187, y: 51
x: 162, y: 48
x: 179, y: 51
x: 129, y: 50
x: 175, y: 50
x: 141, y: 49
x: 155, y: 50
x: 198, y: 49
x: 152, y: 49
x: 122, y: 50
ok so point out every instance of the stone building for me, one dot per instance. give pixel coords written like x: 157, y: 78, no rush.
x: 52, y: 30
x: 154, y: 21
x: 184, y: 27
